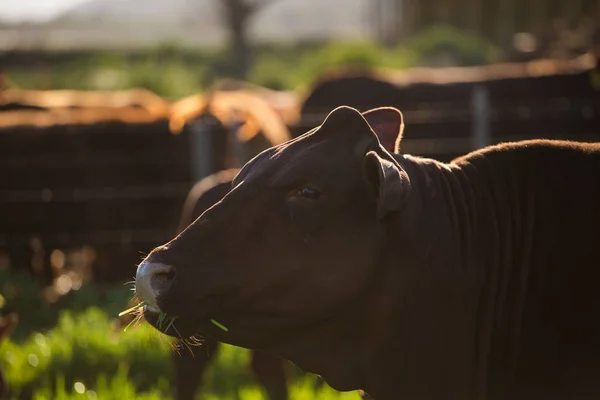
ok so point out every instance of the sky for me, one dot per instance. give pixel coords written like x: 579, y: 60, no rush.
x: 36, y: 10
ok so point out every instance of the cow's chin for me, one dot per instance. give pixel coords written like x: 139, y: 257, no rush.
x: 176, y: 327
x: 254, y: 331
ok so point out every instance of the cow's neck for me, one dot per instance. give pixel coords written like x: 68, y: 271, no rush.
x: 469, y: 224
x: 434, y: 344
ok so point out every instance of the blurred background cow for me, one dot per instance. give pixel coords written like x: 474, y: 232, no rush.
x: 120, y: 121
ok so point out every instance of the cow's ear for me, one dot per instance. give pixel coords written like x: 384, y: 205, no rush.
x: 388, y: 124
x: 346, y: 125
x: 343, y: 118
x: 389, y: 182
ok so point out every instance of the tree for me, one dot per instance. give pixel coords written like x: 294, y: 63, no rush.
x: 237, y: 15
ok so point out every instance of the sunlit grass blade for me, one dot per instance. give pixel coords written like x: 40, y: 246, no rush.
x: 132, y: 309
x: 161, y: 320
x: 170, y: 323
x: 223, y: 327
x: 133, y: 321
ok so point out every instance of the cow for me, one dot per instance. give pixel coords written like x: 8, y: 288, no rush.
x: 402, y: 276
x: 190, y: 365
x: 7, y: 325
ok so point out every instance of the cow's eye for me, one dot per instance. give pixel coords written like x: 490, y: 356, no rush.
x: 309, y: 193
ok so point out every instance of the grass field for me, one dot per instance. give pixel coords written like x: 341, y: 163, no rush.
x: 78, y: 352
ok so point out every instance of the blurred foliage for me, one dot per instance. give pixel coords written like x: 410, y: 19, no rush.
x: 173, y: 72
x: 75, y: 349
x: 464, y: 48
x: 82, y: 348
x: 292, y: 71
x: 86, y: 352
x: 22, y: 294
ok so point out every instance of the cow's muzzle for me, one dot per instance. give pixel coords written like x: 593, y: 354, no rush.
x: 152, y: 279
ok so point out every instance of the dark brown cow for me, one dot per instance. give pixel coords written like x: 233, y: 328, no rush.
x: 402, y: 276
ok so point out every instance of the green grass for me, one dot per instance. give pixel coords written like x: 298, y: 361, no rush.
x: 81, y: 348
x: 86, y: 356
x: 120, y: 388
x: 23, y: 295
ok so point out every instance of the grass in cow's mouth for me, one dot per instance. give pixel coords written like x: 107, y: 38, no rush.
x: 137, y: 309
x: 162, y: 318
x: 134, y: 321
x: 132, y: 309
x: 223, y: 327
x: 163, y: 321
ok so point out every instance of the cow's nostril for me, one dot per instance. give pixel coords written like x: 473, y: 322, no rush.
x: 161, y: 281
x: 151, y: 279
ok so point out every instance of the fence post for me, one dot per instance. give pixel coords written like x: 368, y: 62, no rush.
x: 201, y: 150
x: 480, y: 111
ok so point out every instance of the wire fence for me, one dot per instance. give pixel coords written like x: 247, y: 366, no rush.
x: 119, y: 187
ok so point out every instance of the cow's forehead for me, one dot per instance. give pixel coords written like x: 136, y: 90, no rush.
x: 256, y: 166
x: 310, y: 149
x: 277, y: 158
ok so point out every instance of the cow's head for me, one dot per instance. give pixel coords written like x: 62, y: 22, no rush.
x: 294, y: 243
